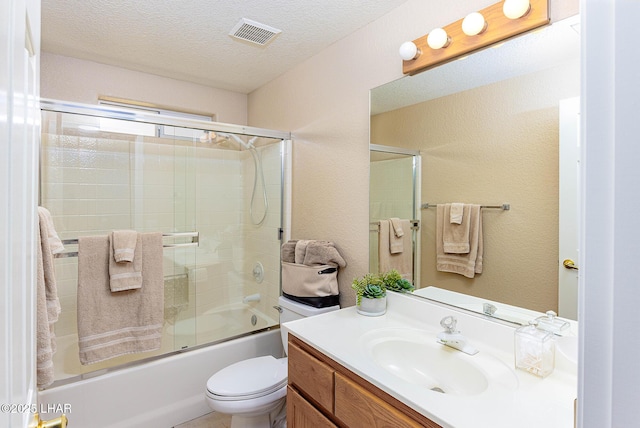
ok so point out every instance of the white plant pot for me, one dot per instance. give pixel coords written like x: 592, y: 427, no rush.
x: 372, y: 307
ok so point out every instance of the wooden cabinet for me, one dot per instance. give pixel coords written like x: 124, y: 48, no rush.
x: 323, y: 393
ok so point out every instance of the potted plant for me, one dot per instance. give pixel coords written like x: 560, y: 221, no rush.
x: 395, y: 282
x: 371, y: 295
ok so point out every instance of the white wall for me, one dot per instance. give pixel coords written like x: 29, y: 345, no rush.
x: 609, y: 297
x: 72, y: 79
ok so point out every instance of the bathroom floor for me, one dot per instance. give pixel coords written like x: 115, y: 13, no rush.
x: 210, y: 420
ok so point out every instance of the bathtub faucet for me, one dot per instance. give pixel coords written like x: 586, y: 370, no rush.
x: 251, y: 298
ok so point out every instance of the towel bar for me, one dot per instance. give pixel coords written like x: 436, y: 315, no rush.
x: 415, y: 225
x: 195, y: 239
x: 505, y: 207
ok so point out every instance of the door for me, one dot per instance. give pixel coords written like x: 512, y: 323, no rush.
x: 568, y: 200
x: 19, y: 136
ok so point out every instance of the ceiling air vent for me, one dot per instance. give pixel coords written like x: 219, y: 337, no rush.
x: 254, y: 32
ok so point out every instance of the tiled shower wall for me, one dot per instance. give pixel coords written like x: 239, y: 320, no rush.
x: 93, y: 185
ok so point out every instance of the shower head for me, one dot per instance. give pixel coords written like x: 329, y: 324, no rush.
x: 239, y: 140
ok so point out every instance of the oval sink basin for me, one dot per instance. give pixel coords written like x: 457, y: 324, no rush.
x: 415, y: 357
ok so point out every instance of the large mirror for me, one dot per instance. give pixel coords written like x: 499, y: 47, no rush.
x: 489, y: 131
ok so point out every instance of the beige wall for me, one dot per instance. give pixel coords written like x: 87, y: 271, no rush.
x: 490, y: 145
x: 324, y: 102
x: 77, y: 80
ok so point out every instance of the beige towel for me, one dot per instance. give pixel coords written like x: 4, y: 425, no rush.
x: 301, y: 250
x: 455, y: 237
x: 288, y: 251
x: 464, y: 264
x: 47, y: 303
x: 402, y: 262
x: 396, y: 242
x: 124, y: 245
x: 55, y: 244
x: 457, y: 214
x: 323, y: 253
x: 124, y: 275
x: 113, y: 324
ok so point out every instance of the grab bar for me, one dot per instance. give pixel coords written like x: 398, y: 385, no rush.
x: 195, y: 240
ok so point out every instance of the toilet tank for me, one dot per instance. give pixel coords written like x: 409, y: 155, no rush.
x: 291, y: 311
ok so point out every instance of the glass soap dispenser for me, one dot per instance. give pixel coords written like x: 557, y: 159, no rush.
x: 534, y: 350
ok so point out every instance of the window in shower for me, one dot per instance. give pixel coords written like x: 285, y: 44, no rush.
x: 226, y: 187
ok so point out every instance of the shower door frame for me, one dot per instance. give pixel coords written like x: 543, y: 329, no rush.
x: 417, y: 181
x: 111, y: 112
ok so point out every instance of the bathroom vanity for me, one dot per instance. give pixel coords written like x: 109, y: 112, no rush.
x: 323, y: 393
x: 349, y: 370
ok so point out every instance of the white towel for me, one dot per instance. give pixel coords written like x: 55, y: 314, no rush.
x: 47, y: 303
x: 464, y: 264
x: 456, y: 214
x: 402, y: 262
x: 124, y: 275
x: 396, y: 242
x: 55, y: 244
x: 113, y: 324
x: 455, y: 237
x: 124, y: 245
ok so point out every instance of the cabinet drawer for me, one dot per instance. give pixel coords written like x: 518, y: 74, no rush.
x: 311, y: 376
x: 301, y: 414
x: 357, y: 407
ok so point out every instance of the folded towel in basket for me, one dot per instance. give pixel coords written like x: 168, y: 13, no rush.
x: 323, y: 253
x: 288, y: 251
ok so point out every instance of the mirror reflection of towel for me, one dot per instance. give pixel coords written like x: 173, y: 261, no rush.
x: 396, y: 233
x: 467, y: 264
x: 402, y: 262
x: 456, y: 215
x: 455, y: 236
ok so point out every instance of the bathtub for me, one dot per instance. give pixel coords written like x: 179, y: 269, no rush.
x: 160, y: 393
x: 211, y: 326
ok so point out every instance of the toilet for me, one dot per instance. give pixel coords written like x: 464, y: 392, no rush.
x: 254, y: 391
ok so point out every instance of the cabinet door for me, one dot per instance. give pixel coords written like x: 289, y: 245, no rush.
x: 315, y: 378
x: 301, y: 414
x: 357, y: 407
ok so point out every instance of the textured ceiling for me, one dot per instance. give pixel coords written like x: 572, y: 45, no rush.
x: 188, y: 39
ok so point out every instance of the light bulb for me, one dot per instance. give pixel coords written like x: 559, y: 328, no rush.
x: 438, y: 39
x: 474, y: 24
x: 409, y: 51
x: 514, y: 9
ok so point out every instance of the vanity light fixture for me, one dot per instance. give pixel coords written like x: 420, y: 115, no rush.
x: 516, y: 9
x: 438, y: 39
x: 474, y: 24
x: 478, y: 30
x: 409, y: 51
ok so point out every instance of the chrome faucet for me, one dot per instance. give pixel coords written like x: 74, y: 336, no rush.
x: 489, y: 309
x: 453, y: 338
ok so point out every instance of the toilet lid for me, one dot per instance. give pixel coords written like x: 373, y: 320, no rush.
x: 252, y: 377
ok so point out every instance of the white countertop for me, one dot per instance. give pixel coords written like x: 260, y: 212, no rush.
x: 534, y: 402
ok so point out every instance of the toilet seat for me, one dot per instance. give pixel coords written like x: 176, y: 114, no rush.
x: 248, y: 379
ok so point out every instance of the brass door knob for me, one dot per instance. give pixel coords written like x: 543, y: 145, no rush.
x: 60, y: 422
x: 569, y: 264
